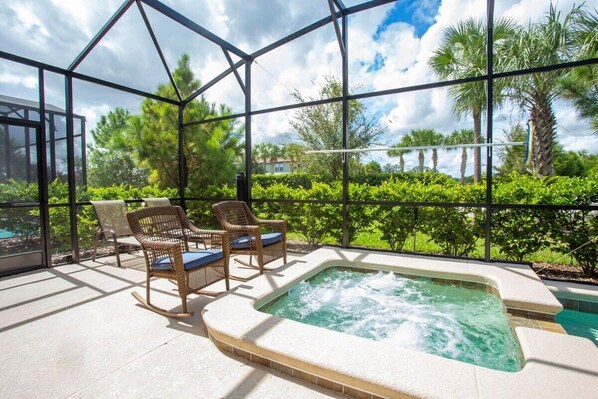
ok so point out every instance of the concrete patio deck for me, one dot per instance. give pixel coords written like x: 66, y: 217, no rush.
x: 74, y: 331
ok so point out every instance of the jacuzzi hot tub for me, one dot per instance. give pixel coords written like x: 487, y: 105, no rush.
x: 555, y: 365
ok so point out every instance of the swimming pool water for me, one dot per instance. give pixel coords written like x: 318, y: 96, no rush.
x: 580, y: 324
x: 452, y: 321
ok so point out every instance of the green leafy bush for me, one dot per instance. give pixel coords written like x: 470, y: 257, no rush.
x: 454, y: 229
x: 521, y: 232
x: 575, y: 233
x: 319, y: 221
x: 518, y: 233
x: 201, y: 211
x: 293, y: 180
x: 22, y: 222
x: 396, y: 223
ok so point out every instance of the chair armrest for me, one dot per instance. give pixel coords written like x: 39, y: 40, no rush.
x: 174, y: 251
x: 279, y: 225
x: 243, y: 229
x: 204, y: 232
x: 223, y: 237
x: 153, y: 245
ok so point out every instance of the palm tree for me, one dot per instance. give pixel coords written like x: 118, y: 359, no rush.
x: 424, y: 137
x: 463, y: 136
x: 546, y: 43
x: 580, y: 85
x: 399, y: 152
x: 462, y: 54
x: 268, y: 153
x: 513, y: 157
x: 274, y: 153
x: 433, y: 138
x: 295, y: 153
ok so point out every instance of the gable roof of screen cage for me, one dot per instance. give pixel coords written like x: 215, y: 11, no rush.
x: 336, y: 10
x: 333, y: 12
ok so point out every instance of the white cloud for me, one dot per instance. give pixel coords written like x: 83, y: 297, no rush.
x: 92, y: 115
x: 10, y: 78
x: 588, y: 143
x: 530, y: 11
x: 79, y: 11
x: 27, y: 16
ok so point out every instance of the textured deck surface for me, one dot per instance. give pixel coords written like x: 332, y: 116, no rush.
x: 75, y: 331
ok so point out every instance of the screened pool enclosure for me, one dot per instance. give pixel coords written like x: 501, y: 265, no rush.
x: 205, y: 102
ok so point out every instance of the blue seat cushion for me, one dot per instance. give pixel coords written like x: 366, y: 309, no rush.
x: 267, y: 239
x: 191, y: 260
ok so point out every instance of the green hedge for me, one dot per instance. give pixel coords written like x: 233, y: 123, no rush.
x: 517, y: 233
x: 25, y: 222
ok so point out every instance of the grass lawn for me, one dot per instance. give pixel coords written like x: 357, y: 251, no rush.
x: 423, y: 244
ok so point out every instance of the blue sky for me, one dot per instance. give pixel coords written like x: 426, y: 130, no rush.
x: 417, y: 13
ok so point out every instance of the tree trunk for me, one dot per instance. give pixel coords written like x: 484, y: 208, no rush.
x: 401, y: 163
x: 463, y: 164
x: 477, y: 153
x: 420, y: 157
x: 544, y: 122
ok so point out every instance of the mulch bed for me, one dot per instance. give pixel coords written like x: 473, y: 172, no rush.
x: 563, y: 273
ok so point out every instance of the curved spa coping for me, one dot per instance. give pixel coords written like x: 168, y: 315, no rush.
x: 556, y: 365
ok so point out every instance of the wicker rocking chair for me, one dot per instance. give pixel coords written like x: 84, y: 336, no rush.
x: 247, y: 237
x: 201, y: 239
x: 162, y: 232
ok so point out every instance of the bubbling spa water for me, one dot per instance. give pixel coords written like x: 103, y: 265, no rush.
x: 449, y: 320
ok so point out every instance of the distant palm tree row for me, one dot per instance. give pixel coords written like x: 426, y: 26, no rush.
x: 429, y: 137
x: 268, y: 154
x: 265, y: 155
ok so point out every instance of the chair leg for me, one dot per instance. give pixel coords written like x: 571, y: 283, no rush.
x: 116, y: 252
x: 147, y: 288
x: 260, y: 261
x: 184, y: 302
x: 95, y: 247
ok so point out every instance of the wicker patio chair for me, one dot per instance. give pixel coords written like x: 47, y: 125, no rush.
x: 161, y: 232
x: 113, y: 226
x: 163, y: 201
x: 247, y: 237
